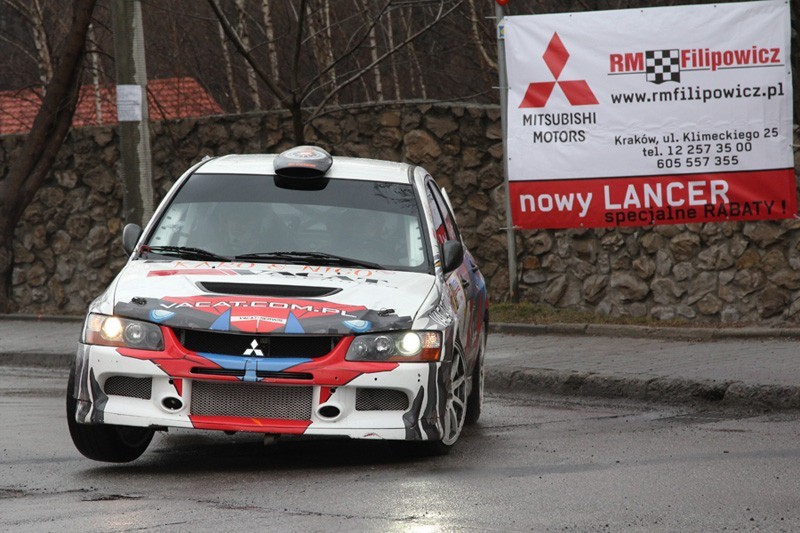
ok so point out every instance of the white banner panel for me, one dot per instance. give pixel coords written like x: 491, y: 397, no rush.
x: 650, y: 116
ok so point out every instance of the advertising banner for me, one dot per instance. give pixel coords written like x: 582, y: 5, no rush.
x: 650, y: 116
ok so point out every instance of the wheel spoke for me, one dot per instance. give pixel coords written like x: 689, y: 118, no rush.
x: 453, y: 423
x: 459, y: 403
x: 455, y: 408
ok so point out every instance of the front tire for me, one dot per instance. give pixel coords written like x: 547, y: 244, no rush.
x: 106, y: 442
x: 475, y: 400
x: 455, y: 410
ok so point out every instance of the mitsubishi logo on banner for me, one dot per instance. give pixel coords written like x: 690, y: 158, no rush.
x: 576, y: 91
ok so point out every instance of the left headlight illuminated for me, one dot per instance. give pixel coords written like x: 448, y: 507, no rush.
x: 116, y: 331
x: 411, y: 346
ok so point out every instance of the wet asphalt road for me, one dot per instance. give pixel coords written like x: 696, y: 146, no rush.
x: 531, y: 464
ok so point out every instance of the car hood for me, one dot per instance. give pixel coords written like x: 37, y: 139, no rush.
x: 270, y: 298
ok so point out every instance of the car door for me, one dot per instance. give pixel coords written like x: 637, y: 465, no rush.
x: 461, y: 283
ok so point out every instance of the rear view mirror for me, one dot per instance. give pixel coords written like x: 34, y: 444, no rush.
x: 130, y: 236
x: 453, y: 255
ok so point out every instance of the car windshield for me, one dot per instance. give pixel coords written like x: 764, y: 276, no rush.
x: 345, y: 223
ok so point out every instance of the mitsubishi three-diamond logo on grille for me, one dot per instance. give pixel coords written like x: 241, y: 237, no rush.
x: 254, y: 349
x: 576, y: 91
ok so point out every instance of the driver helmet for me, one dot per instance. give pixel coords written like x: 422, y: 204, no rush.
x: 241, y: 225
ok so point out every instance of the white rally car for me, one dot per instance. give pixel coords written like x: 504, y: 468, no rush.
x: 296, y: 294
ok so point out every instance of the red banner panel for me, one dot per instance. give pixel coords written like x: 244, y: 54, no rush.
x: 643, y: 201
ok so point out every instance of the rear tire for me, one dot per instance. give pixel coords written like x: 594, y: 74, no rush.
x: 105, y: 442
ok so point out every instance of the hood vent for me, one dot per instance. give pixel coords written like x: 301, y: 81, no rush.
x: 258, y: 289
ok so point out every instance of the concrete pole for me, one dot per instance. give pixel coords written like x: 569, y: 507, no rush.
x: 134, y: 127
x: 510, y: 234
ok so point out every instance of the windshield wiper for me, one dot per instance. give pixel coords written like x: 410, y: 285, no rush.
x: 319, y: 258
x: 186, y: 252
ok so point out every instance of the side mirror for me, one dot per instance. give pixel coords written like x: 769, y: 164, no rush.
x: 453, y: 255
x: 130, y: 236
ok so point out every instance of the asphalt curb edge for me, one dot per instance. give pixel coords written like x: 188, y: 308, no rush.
x: 653, y: 389
x: 623, y: 330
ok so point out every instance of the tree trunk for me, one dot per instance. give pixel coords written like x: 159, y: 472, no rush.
x: 29, y: 170
x: 390, y: 36
x: 319, y: 24
x: 94, y: 57
x: 412, y: 52
x: 269, y: 31
x: 477, y: 38
x: 252, y: 81
x: 297, y: 123
x: 373, y: 52
x: 795, y: 37
x: 40, y: 41
x: 226, y: 56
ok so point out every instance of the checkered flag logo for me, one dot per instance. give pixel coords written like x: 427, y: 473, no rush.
x: 662, y: 65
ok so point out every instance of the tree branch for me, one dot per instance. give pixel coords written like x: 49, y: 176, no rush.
x: 440, y: 16
x: 232, y: 35
x: 297, y: 46
x: 307, y: 88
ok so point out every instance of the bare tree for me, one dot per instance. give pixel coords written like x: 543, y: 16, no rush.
x: 477, y: 37
x: 94, y: 57
x: 32, y: 13
x: 795, y: 29
x: 313, y: 88
x: 373, y: 49
x: 417, y: 70
x: 241, y: 29
x: 29, y: 170
x: 269, y: 31
x: 390, y: 38
x: 319, y: 24
x: 226, y: 56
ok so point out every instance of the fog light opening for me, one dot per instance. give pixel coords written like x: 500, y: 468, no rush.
x: 329, y: 412
x: 172, y: 404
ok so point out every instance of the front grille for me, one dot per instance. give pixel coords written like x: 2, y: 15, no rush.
x: 128, y: 386
x: 251, y: 400
x: 226, y: 343
x: 381, y: 400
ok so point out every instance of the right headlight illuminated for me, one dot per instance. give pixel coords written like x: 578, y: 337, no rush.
x: 125, y: 332
x: 410, y: 346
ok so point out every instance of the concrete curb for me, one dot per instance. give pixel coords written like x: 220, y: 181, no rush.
x: 44, y: 318
x: 647, y: 332
x: 656, y: 389
x: 37, y: 359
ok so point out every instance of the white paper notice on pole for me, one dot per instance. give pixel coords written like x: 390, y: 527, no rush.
x: 650, y: 116
x: 129, y: 103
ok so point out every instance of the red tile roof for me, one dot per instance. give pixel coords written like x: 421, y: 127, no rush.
x: 168, y: 99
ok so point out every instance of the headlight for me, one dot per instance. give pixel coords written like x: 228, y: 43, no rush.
x: 396, y: 346
x: 115, y: 331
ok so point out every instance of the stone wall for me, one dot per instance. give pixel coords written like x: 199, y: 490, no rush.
x: 67, y: 247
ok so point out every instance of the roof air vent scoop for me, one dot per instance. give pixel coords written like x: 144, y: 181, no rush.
x: 303, y: 162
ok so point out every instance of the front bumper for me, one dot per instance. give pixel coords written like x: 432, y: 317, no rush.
x: 324, y: 396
